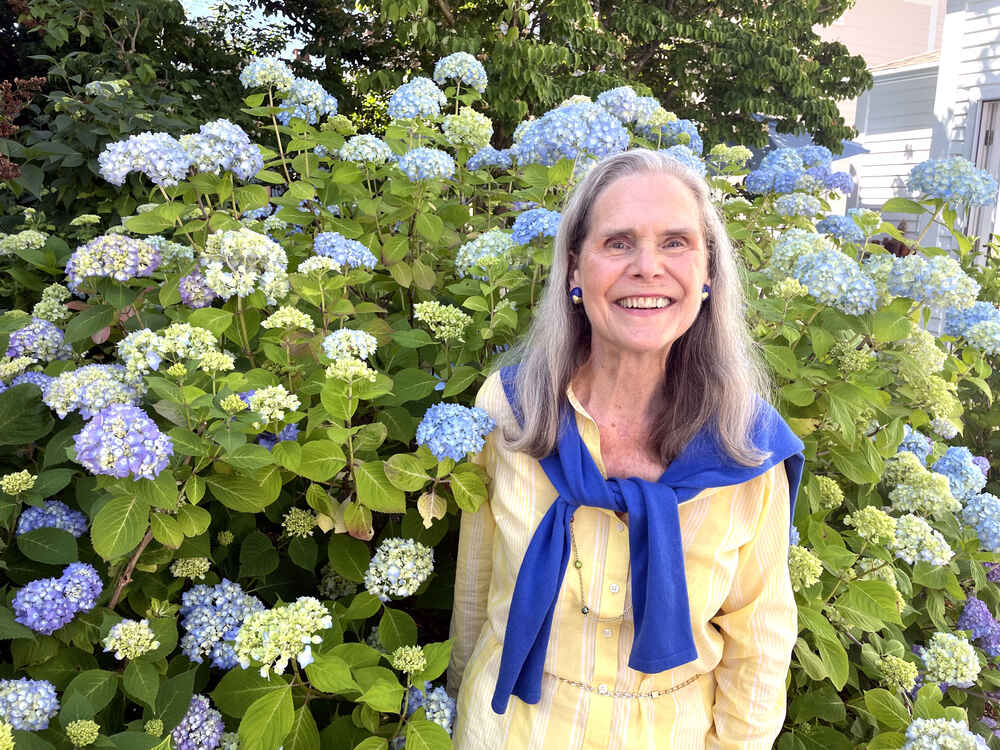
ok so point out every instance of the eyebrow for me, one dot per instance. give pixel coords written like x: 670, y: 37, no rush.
x: 668, y: 233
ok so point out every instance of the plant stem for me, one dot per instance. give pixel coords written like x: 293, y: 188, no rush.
x: 929, y: 225
x: 243, y: 331
x: 126, y: 577
x: 277, y: 135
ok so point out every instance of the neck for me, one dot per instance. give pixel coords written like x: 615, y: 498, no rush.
x: 621, y: 389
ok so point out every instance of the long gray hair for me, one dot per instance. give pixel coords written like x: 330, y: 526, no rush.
x: 714, y: 374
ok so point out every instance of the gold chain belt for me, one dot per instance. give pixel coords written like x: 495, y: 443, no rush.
x: 603, y: 689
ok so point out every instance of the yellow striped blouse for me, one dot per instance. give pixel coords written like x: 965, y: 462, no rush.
x: 743, y: 617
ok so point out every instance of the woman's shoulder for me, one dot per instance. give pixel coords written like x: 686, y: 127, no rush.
x: 492, y: 399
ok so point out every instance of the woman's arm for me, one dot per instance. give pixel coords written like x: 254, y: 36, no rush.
x: 759, y: 623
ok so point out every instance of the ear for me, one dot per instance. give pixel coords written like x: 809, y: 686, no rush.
x: 573, y: 276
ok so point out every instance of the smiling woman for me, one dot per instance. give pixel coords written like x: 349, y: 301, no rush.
x: 635, y: 441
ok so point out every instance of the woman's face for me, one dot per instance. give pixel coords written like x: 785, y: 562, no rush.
x: 641, y: 266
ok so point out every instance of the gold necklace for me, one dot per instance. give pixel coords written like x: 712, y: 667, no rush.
x: 578, y: 564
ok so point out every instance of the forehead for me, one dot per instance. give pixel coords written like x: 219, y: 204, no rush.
x: 646, y: 201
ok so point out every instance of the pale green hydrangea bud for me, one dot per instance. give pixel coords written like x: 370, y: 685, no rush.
x: 233, y: 404
x: 194, y: 568
x: 468, y: 127
x: 350, y: 369
x: 275, y: 636
x: 154, y: 728
x: 898, y: 675
x: 872, y: 524
x: 409, y: 659
x: 804, y: 567
x: 272, y: 402
x: 177, y: 371
x: 29, y: 239
x: 231, y: 740
x: 299, y: 523
x: 82, y: 732
x: 318, y: 265
x: 730, y: 156
x: 951, y: 659
x: 51, y: 306
x: 830, y: 494
x: 185, y: 341
x: 215, y: 362
x: 790, y: 288
x: 18, y: 482
x: 853, y: 359
x: 6, y: 736
x: 130, y: 639
x: 85, y: 220
x: 288, y: 317
x: 11, y: 367
x: 225, y: 538
x: 922, y: 346
x: 447, y: 323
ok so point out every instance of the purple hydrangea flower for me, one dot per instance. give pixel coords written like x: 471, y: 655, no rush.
x: 40, y: 339
x: 39, y: 379
x: 54, y: 514
x: 122, y: 441
x: 201, y: 728
x: 47, y: 604
x: 269, y: 439
x: 347, y: 253
x: 194, y: 291
x: 976, y: 617
x: 212, y: 615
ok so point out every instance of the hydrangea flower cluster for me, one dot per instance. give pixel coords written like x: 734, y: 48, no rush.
x: 423, y: 163
x: 622, y: 102
x: 27, y: 705
x: 447, y: 322
x: 804, y: 568
x: 534, y: 223
x: 964, y: 477
x: 212, y: 616
x: 194, y: 290
x: 570, y: 131
x: 289, y: 432
x: 17, y: 482
x: 308, y: 101
x: 489, y: 250
x: 14, y: 367
x: 797, y: 204
x: 350, y: 369
x: 836, y: 280
x: 488, y: 156
x: 917, y: 490
x: 201, y: 728
x: 50, y: 307
x: 467, y: 128
x: 170, y: 251
x: 955, y: 180
x: 221, y: 145
x: 791, y: 245
x: 194, y: 568
x: 938, y: 282
x: 348, y: 342
x: 333, y: 585
x: 27, y: 239
x: 130, y: 639
x: 267, y: 72
x: 408, y: 659
x: 916, y: 443
x: 454, y: 431
x: 688, y: 158
x: 951, y: 660
x: 288, y: 317
x: 111, y: 256
x: 941, y: 734
x: 461, y: 67
x: 47, y: 604
x: 82, y: 732
x: 785, y: 170
x: 241, y: 261
x: 419, y: 97
x: 982, y: 512
x: 977, y: 618
x: 275, y: 636
x: 159, y: 156
x: 39, y: 340
x: 272, y: 402
x: 122, y: 441
x: 38, y: 379
x: 916, y: 540
x: 830, y: 494
x: 438, y: 706
x: 344, y: 252
x: 677, y: 132
x: 398, y: 568
x: 722, y: 156
x: 53, y: 514
x: 843, y: 227
x: 90, y: 389
x: 897, y: 675
x: 958, y: 321
x: 299, y: 523
x: 366, y: 149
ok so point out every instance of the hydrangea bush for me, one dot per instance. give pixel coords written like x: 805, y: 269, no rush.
x: 237, y: 423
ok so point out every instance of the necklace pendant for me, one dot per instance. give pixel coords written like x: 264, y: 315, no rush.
x: 585, y: 610
x: 577, y: 564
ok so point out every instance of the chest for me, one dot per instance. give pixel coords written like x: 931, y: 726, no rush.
x: 629, y: 456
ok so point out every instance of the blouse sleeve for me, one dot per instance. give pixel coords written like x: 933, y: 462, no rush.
x: 759, y: 624
x: 473, y: 571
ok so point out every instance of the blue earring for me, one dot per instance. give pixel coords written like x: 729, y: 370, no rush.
x: 576, y: 294
x: 704, y: 292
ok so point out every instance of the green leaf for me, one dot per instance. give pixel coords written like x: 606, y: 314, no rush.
x: 375, y: 491
x: 193, y: 520
x: 887, y: 708
x: 304, y: 734
x: 422, y: 734
x: 212, y: 319
x: 411, y: 384
x: 242, y: 493
x: 160, y: 492
x: 331, y: 674
x: 258, y: 557
x: 835, y: 660
x: 822, y: 340
x: 23, y: 416
x: 303, y: 552
x: 468, y: 487
x: 48, y: 545
x: 239, y: 688
x: 9, y: 628
x: 798, y: 393
x: 412, y: 338
x: 902, y: 206
x: 362, y: 606
x: 383, y: 695
x: 119, y: 526
x: 781, y: 359
x: 406, y: 472
x: 267, y: 721
x: 142, y: 682
x: 174, y: 698
x: 429, y: 226
x: 166, y: 530
x: 870, y: 602
x: 437, y: 656
x: 321, y: 459
x: 349, y: 557
x: 460, y: 379
x: 372, y: 743
x: 249, y: 457
x: 396, y: 628
x: 88, y: 322
x: 822, y: 703
x: 97, y: 686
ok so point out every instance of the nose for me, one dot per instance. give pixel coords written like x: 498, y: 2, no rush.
x: 646, y: 261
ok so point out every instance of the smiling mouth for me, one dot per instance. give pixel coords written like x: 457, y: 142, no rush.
x: 644, y: 303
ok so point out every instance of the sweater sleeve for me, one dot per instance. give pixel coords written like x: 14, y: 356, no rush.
x: 759, y: 624
x: 474, y: 568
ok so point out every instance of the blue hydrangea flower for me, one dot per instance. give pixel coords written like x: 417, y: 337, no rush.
x: 622, y: 102
x: 259, y: 214
x: 954, y: 180
x: 488, y: 156
x: 535, y: 222
x: 111, y: 256
x: 984, y: 336
x: 47, y: 604
x: 957, y: 321
x: 841, y: 227
x: 462, y: 67
x: 977, y: 618
x: 222, y: 146
x: 783, y: 160
x: 840, y: 181
x: 814, y: 156
x: 794, y: 537
x: 159, y: 156
x: 40, y: 340
x: 937, y: 734
x: 759, y: 181
x: 347, y: 253
x: 38, y: 379
x: 212, y: 615
x: 194, y: 290
x: 571, y: 131
x: 27, y: 705
x: 916, y: 443
x: 308, y: 101
x: 201, y: 728
x: 683, y: 133
x: 417, y: 98
x: 53, y: 514
x: 267, y: 72
x: 687, y: 157
x: 454, y: 431
x: 488, y: 249
x: 438, y: 706
x: 964, y: 476
x: 122, y: 441
x: 366, y: 149
x: 797, y: 204
x: 269, y: 439
x: 834, y: 279
x: 937, y: 282
x: 423, y: 163
x: 982, y: 512
x: 398, y: 568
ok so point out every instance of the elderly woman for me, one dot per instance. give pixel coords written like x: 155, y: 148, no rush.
x: 627, y: 584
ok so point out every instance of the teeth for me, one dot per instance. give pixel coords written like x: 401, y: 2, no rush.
x: 645, y: 302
